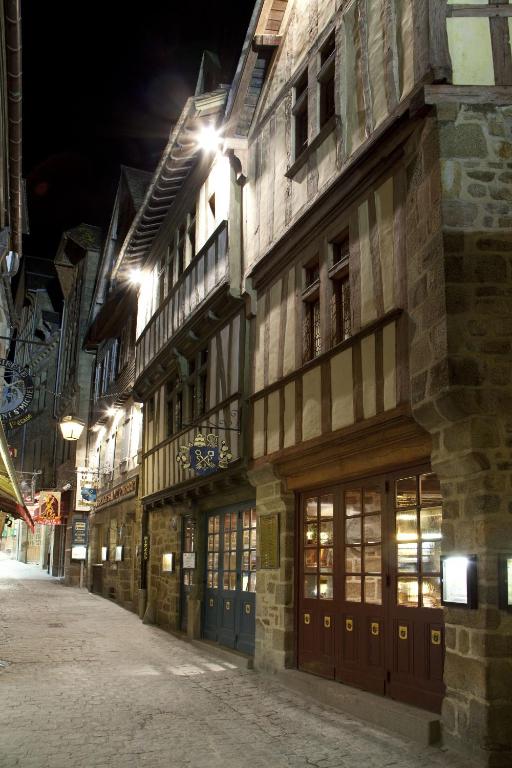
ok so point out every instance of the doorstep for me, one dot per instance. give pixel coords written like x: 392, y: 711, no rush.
x: 401, y: 719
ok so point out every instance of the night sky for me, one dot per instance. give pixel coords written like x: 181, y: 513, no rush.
x: 103, y: 80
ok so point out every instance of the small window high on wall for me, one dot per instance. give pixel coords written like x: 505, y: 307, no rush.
x: 326, y: 80
x: 341, y: 324
x: 312, y: 339
x: 300, y: 114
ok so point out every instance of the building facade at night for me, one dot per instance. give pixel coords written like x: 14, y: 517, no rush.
x: 377, y: 243
x: 115, y: 419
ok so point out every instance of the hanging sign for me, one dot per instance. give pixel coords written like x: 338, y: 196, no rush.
x: 204, y: 456
x: 17, y: 394
x: 86, y: 482
x: 49, y: 511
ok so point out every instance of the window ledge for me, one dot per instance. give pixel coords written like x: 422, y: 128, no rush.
x: 324, y: 131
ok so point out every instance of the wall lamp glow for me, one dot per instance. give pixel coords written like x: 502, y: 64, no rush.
x: 71, y: 427
x: 136, y: 277
x: 209, y: 138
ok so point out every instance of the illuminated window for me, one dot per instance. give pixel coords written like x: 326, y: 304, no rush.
x: 300, y: 114
x: 318, y: 548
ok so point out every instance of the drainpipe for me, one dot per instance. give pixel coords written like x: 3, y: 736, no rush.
x: 14, y: 73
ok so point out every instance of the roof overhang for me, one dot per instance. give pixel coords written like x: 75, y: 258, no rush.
x: 178, y: 159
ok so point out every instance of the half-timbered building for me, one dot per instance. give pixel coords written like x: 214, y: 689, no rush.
x: 185, y: 249
x: 375, y: 137
x: 115, y: 418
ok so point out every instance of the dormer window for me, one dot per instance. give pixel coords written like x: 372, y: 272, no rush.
x: 300, y: 114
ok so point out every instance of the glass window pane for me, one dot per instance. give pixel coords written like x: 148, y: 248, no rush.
x: 210, y: 579
x: 327, y: 506
x: 233, y: 540
x: 430, y: 489
x: 216, y: 561
x: 232, y: 580
x: 311, y: 536
x: 352, y: 503
x: 407, y: 557
x: 373, y: 590
x: 210, y: 543
x: 353, y: 531
x: 372, y: 559
x: 353, y: 559
x: 210, y: 524
x: 226, y: 561
x: 325, y: 587
x: 247, y: 539
x: 226, y: 542
x: 227, y: 520
x: 353, y: 589
x: 310, y: 586
x: 247, y: 518
x: 326, y: 533
x: 407, y: 526
x: 407, y: 592
x: 372, y: 529
x: 216, y: 580
x: 371, y: 500
x: 430, y: 522
x: 253, y: 524
x: 310, y: 559
x: 406, y: 492
x: 326, y: 560
x: 216, y: 542
x: 210, y: 561
x: 245, y: 581
x: 232, y: 561
x: 431, y: 592
x: 311, y: 509
x: 431, y: 556
x: 245, y: 561
x: 253, y: 560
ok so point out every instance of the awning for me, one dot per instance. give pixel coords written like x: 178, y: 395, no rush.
x: 11, y: 500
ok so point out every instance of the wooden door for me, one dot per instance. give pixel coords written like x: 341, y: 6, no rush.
x: 362, y: 626
x: 416, y: 642
x: 187, y: 574
x: 316, y: 615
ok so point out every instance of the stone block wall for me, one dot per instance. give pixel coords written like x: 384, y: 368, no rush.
x: 459, y: 242
x: 164, y: 588
x: 274, y: 644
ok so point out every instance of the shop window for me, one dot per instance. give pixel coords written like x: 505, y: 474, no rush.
x: 326, y: 80
x: 363, y: 546
x: 300, y: 114
x: 318, y: 548
x: 249, y: 550
x: 213, y: 544
x: 418, y: 517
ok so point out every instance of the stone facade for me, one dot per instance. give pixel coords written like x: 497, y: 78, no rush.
x: 274, y: 645
x: 460, y: 288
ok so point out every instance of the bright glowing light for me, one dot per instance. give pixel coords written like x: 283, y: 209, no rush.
x: 136, y: 277
x: 209, y: 138
x: 71, y: 428
x: 111, y: 411
x: 96, y: 428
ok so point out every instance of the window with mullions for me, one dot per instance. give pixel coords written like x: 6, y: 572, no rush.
x: 213, y: 544
x: 418, y: 518
x: 363, y: 546
x: 191, y: 232
x: 249, y: 550
x: 326, y: 80
x: 300, y: 114
x: 174, y: 406
x: 230, y: 550
x: 318, y: 547
x: 341, y: 325
x: 198, y: 384
x: 181, y: 250
x: 312, y: 340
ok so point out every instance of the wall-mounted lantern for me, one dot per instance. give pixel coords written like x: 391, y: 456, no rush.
x: 71, y: 427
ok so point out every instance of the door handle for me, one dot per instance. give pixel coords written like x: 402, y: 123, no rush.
x: 327, y: 622
x: 349, y: 625
x: 307, y: 618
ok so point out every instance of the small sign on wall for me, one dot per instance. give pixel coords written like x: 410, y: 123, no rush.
x: 459, y: 581
x: 79, y: 552
x: 189, y: 560
x: 269, y: 541
x: 119, y: 554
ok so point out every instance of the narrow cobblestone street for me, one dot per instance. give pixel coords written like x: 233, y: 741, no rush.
x: 85, y: 683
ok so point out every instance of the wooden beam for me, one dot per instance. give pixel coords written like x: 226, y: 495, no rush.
x: 438, y: 41
x: 262, y: 43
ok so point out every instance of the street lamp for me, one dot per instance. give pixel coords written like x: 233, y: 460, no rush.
x: 71, y: 427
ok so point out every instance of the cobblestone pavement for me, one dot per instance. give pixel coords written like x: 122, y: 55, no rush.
x: 88, y: 685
